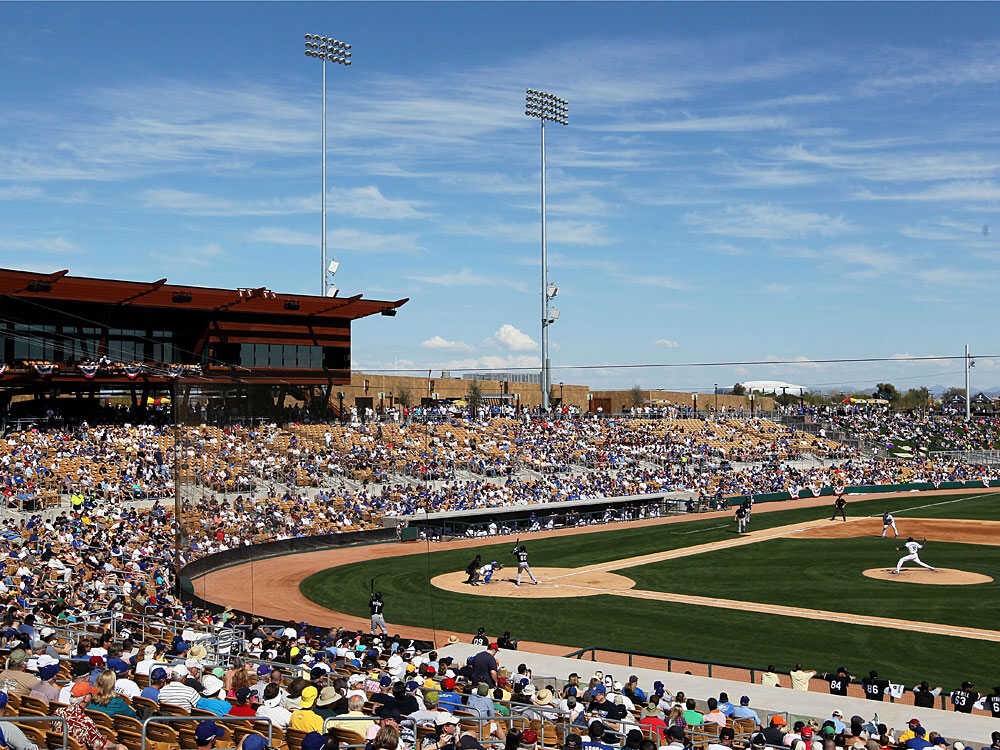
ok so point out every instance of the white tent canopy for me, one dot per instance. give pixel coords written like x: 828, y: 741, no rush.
x: 773, y: 386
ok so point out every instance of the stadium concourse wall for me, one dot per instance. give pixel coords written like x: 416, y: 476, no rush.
x: 770, y: 497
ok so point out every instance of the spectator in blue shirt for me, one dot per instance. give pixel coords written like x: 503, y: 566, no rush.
x: 481, y: 703
x: 211, y: 696
x: 743, y: 711
x: 448, y: 699
x: 724, y: 705
x: 919, y: 741
x: 837, y: 717
x: 157, y: 679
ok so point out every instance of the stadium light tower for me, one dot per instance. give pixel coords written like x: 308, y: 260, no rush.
x: 549, y: 107
x: 324, y: 49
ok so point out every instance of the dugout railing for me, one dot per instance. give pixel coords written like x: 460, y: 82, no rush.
x: 719, y: 669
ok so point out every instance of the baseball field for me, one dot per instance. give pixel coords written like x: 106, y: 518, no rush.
x: 796, y: 588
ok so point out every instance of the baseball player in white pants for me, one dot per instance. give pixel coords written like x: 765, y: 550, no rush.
x: 521, y: 553
x: 889, y: 522
x: 912, y: 547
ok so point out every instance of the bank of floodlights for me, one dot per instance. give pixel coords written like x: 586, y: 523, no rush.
x: 327, y: 48
x: 546, y: 106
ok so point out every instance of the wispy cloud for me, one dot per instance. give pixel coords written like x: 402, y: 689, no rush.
x: 768, y: 221
x: 949, y: 191
x: 200, y: 255
x: 363, y: 203
x: 666, y: 343
x: 354, y: 240
x: 897, y: 165
x: 562, y: 231
x: 439, y: 342
x: 722, y: 123
x: 43, y: 244
x: 20, y: 192
x: 465, y: 277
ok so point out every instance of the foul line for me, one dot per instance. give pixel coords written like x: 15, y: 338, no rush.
x: 802, y: 612
x: 752, y: 538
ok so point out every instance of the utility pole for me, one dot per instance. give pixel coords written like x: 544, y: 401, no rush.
x: 968, y: 396
x: 545, y: 106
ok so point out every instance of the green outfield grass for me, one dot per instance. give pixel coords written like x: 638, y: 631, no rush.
x: 790, y: 574
x: 826, y: 574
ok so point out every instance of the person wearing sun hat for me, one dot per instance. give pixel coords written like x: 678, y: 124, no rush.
x: 305, y: 718
x: 212, y: 696
x: 330, y: 703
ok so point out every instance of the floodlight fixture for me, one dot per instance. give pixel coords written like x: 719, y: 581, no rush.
x: 331, y: 291
x: 326, y: 49
x: 546, y: 107
x: 332, y: 268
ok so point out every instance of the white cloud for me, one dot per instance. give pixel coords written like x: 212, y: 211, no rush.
x: 57, y: 244
x: 354, y: 240
x: 492, y: 362
x: 666, y: 343
x: 513, y: 339
x: 948, y: 191
x: 282, y: 236
x: 559, y: 232
x: 466, y: 277
x: 362, y: 203
x: 724, y: 248
x: 438, y: 342
x: 656, y: 280
x: 20, y: 192
x: 767, y: 221
x: 730, y: 123
x: 200, y: 255
x: 777, y: 288
x: 898, y: 165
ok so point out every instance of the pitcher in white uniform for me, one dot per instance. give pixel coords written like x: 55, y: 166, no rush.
x: 912, y: 547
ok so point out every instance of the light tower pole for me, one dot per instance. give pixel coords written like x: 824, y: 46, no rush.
x: 549, y: 107
x: 325, y: 48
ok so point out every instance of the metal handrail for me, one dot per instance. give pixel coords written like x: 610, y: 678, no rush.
x: 224, y: 719
x: 65, y: 724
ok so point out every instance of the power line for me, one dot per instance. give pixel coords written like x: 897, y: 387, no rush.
x: 663, y: 365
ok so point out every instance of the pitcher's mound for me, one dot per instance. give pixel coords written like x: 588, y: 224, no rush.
x: 940, y: 577
x: 553, y: 583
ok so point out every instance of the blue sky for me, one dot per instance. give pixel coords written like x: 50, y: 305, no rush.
x: 737, y: 182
